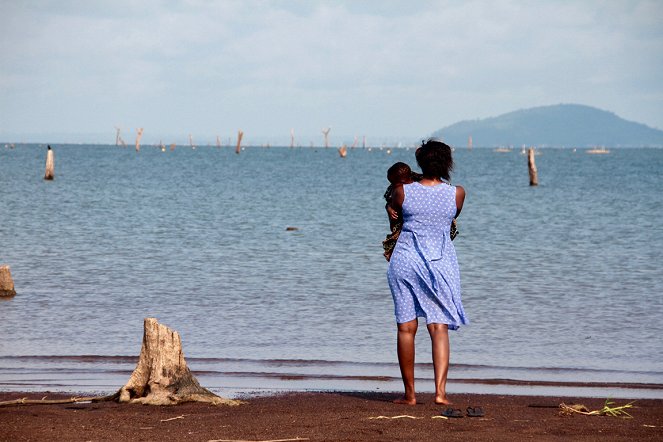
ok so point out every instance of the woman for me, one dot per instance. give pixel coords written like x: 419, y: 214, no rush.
x: 423, y: 272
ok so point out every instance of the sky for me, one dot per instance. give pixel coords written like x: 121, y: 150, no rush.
x: 381, y: 68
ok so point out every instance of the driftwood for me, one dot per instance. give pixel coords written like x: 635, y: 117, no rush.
x: 161, y: 376
x: 44, y: 401
x: 50, y: 165
x: 531, y: 165
x: 269, y: 440
x: 6, y: 282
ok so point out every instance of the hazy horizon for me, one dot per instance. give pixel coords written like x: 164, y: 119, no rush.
x: 390, y: 70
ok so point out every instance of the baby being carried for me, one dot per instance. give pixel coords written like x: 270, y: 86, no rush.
x: 399, y: 174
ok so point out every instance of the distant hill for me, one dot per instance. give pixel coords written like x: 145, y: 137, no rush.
x: 564, y: 125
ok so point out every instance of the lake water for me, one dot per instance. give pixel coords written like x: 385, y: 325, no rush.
x: 562, y: 282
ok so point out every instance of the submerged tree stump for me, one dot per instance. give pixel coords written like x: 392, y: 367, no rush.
x: 50, y: 165
x: 6, y: 282
x: 531, y: 165
x: 139, y: 135
x: 238, y: 149
x: 162, y: 376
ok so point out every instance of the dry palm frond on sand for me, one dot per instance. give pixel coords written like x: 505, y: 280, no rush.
x: 607, y: 410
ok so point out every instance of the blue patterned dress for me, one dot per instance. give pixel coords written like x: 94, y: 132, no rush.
x: 423, y: 271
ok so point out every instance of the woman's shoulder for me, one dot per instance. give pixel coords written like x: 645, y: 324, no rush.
x: 411, y: 185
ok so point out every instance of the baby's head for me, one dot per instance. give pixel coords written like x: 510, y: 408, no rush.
x: 399, y: 173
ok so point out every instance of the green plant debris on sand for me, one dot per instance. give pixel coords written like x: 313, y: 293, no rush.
x: 607, y: 410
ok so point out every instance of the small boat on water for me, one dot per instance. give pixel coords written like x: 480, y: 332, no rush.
x: 523, y: 151
x: 598, y: 150
x: 502, y: 149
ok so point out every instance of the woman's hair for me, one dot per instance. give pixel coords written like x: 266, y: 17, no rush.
x: 434, y: 158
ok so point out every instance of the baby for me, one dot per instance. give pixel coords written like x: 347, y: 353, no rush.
x: 398, y: 174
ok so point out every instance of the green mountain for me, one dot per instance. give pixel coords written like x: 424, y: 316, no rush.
x: 563, y: 125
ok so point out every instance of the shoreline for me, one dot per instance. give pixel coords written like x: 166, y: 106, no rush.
x: 263, y: 384
x: 341, y: 416
x: 235, y: 377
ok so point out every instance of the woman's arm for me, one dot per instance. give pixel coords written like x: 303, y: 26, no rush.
x: 460, y: 199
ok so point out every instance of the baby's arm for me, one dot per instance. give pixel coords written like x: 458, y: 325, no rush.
x: 393, y: 222
x: 395, y: 204
x: 391, y: 213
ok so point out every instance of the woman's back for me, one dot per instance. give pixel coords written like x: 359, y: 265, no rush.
x: 428, y: 207
x: 427, y: 215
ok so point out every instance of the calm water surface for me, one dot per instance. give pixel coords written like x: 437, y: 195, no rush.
x: 564, y: 278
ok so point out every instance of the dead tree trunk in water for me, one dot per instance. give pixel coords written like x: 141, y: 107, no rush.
x: 533, y: 173
x: 50, y: 165
x: 6, y: 282
x: 240, y: 134
x: 325, y: 132
x: 162, y: 376
x: 139, y: 134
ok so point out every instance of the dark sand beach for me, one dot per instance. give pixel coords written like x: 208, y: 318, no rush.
x: 340, y: 416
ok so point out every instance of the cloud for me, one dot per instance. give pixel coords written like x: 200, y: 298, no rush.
x: 371, y: 67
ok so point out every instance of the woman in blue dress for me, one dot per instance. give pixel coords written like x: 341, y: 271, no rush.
x: 423, y: 271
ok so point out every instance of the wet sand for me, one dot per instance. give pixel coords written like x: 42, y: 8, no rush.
x: 339, y: 416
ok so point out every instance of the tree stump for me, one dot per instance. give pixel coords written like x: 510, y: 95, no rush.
x: 531, y: 165
x: 238, y: 149
x: 139, y: 134
x: 50, y: 165
x: 162, y: 376
x: 6, y: 282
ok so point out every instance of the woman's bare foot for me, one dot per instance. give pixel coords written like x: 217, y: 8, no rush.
x: 405, y: 401
x: 442, y: 400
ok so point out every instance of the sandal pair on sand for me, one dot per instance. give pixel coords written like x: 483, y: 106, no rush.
x: 456, y: 412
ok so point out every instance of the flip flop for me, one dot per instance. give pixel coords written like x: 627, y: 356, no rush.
x: 475, y: 412
x: 452, y: 412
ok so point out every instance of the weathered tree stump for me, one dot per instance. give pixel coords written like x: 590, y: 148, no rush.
x: 533, y: 174
x: 240, y: 134
x: 325, y: 132
x: 6, y: 282
x: 162, y: 376
x: 50, y: 165
x: 139, y: 135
